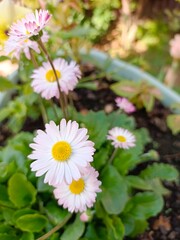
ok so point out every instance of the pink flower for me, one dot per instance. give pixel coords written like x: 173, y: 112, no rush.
x: 84, y: 217
x: 30, y: 26
x: 44, y: 80
x: 125, y: 105
x: 80, y: 194
x: 16, y: 47
x: 60, y: 152
x: 121, y: 138
x: 175, y: 47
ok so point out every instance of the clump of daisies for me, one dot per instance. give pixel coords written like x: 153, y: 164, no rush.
x: 63, y: 154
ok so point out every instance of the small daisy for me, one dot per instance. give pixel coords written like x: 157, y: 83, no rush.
x: 125, y: 105
x: 31, y: 25
x: 15, y: 48
x: 121, y: 138
x: 44, y: 80
x: 61, y: 151
x: 81, y: 193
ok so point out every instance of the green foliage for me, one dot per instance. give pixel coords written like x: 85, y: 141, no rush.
x: 27, y: 193
x: 173, y: 121
x: 5, y: 84
x: 140, y: 93
x: 74, y: 231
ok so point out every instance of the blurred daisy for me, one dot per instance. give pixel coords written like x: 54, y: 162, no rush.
x: 60, y: 151
x: 175, y: 47
x: 79, y: 194
x: 15, y: 48
x: 9, y: 12
x: 44, y: 80
x: 30, y: 26
x: 125, y: 105
x: 121, y: 138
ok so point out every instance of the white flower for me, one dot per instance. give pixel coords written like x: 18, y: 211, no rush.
x: 80, y: 194
x: 16, y: 47
x: 44, y: 79
x: 61, y: 151
x: 121, y: 138
x: 30, y: 25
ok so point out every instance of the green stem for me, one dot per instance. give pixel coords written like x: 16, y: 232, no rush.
x: 54, y: 109
x: 113, y: 155
x: 61, y: 101
x: 56, y: 228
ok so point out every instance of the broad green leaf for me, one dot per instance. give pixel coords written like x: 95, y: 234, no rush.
x: 4, y: 228
x: 97, y: 125
x: 134, y: 227
x: 4, y: 198
x: 125, y: 88
x: 6, y: 170
x: 55, y: 213
x: 144, y: 205
x: 173, y: 122
x: 5, y: 84
x: 91, y: 232
x: 3, y: 58
x: 115, y: 228
x: 27, y: 236
x: 43, y: 187
x: 138, y: 183
x: 100, y: 158
x: 31, y: 222
x: 114, y: 191
x: 121, y: 120
x: 7, y: 215
x: 74, y: 231
x: 160, y: 170
x: 6, y: 236
x: 88, y: 85
x: 22, y: 212
x: 21, y: 192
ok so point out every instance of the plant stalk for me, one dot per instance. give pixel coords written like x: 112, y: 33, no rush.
x: 56, y: 228
x: 61, y: 100
x: 113, y: 155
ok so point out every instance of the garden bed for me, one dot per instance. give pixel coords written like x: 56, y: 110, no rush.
x: 165, y: 225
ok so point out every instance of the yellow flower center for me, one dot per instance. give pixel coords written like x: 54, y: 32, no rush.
x: 121, y: 138
x: 50, y: 76
x: 3, y: 34
x: 61, y: 151
x: 77, y: 187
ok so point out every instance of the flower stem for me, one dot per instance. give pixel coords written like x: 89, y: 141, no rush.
x: 56, y: 228
x: 113, y: 155
x: 61, y: 100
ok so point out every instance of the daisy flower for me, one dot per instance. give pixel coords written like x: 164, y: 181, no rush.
x: 30, y: 25
x: 15, y: 48
x: 121, y: 138
x: 44, y: 80
x: 125, y: 105
x: 60, y: 151
x: 79, y: 194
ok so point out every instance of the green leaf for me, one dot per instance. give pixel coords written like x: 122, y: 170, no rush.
x: 22, y: 212
x: 43, y: 187
x: 160, y: 170
x: 27, y: 236
x: 5, y: 84
x: 144, y: 205
x: 173, y: 122
x: 115, y: 228
x: 74, y: 231
x: 55, y: 213
x: 126, y: 88
x: 138, y: 183
x: 91, y: 233
x: 6, y: 236
x: 114, y: 191
x: 6, y: 170
x: 121, y: 120
x: 31, y: 222
x: 4, y: 198
x: 21, y: 192
x: 100, y: 158
x: 97, y: 125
